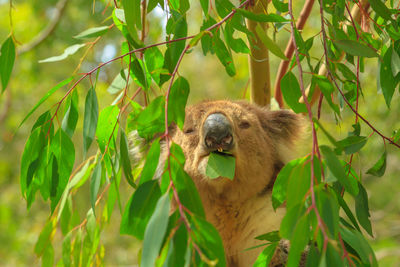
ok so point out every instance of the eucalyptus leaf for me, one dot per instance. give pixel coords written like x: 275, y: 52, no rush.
x: 334, y: 165
x: 139, y: 209
x: 92, y: 32
x: 7, y: 58
x: 90, y: 119
x: 155, y: 231
x: 95, y: 184
x: 355, y: 48
x: 44, y: 98
x: 362, y: 209
x: 261, y: 17
x: 269, y: 43
x: 379, y: 167
x: 291, y: 92
x: 67, y: 52
x: 220, y: 165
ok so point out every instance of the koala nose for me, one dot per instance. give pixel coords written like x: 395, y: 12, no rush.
x: 217, y: 132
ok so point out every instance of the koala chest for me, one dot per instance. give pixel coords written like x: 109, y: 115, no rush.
x: 239, y: 224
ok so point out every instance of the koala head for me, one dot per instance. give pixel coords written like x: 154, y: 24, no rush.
x: 259, y: 139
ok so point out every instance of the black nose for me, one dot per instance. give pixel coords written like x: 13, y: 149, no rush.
x: 217, y: 132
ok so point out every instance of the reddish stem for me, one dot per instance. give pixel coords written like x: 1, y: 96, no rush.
x: 314, y: 135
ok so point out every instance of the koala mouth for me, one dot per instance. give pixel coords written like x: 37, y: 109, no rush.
x: 218, y: 137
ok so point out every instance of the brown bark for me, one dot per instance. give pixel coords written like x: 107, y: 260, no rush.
x: 260, y: 81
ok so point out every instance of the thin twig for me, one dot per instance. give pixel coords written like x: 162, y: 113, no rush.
x: 314, y: 150
x: 284, y: 65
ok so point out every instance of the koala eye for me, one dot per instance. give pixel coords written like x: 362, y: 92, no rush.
x: 188, y: 131
x: 244, y: 125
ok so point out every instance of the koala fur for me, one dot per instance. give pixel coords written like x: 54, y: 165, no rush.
x: 241, y: 208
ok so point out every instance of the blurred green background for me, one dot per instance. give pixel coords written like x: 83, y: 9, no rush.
x: 19, y: 228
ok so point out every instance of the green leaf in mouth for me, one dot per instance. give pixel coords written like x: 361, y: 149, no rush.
x: 220, y: 165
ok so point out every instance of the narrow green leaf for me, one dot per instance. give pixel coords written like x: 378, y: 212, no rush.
x: 380, y: 166
x: 44, y: 98
x: 77, y: 248
x: 280, y: 186
x: 196, y: 39
x: 90, y: 119
x: 92, y: 32
x: 48, y: 256
x: 139, y: 209
x: 274, y: 48
x: 386, y: 79
x: 177, y: 101
x: 347, y: 210
x: 64, y: 153
x: 280, y: 5
x: 204, y: 6
x: 352, y: 144
x: 298, y: 241
x: 395, y: 64
x: 155, y: 231
x: 298, y: 185
x: 95, y: 184
x: 186, y: 188
x: 119, y: 82
x: 236, y: 44
x: 184, y: 6
x: 380, y: 8
x: 66, y: 250
x: 209, y: 241
x: 334, y: 165
x: 362, y: 209
x: 329, y: 210
x: 290, y: 220
x: 7, y: 58
x: 67, y: 52
x: 347, y: 73
x: 139, y: 73
x: 261, y: 17
x: 71, y: 116
x: 174, y: 50
x: 151, y: 163
x: 107, y: 129
x: 153, y: 3
x: 355, y: 48
x: 360, y: 245
x: 266, y: 255
x: 271, y: 236
x: 174, y: 4
x: 223, y: 55
x: 152, y: 119
x: 291, y: 92
x: 125, y: 161
x: 132, y: 14
x: 327, y: 89
x: 327, y: 134
x: 32, y: 150
x: 81, y: 176
x: 220, y: 165
x: 154, y: 62
x: 45, y: 237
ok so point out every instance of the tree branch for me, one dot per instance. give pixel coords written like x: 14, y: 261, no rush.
x: 260, y: 80
x: 283, y: 67
x: 356, y: 14
x: 60, y: 8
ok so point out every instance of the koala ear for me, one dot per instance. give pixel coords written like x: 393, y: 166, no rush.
x: 283, y: 125
x: 285, y: 128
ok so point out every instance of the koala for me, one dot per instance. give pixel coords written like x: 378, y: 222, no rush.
x: 261, y: 142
